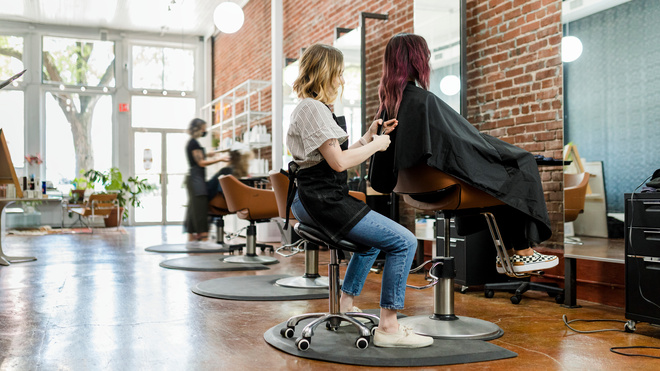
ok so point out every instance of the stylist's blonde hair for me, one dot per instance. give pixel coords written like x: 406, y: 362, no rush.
x: 320, y: 65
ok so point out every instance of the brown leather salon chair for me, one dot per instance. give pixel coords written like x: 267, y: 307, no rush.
x: 427, y: 188
x: 575, y: 195
x: 254, y: 205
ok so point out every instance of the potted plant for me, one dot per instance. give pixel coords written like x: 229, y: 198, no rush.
x: 80, y: 184
x: 128, y: 192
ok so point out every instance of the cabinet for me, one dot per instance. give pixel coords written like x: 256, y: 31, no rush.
x: 642, y: 249
x: 474, y: 256
x: 239, y: 116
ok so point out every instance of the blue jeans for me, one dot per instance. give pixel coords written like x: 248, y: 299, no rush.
x: 383, y: 234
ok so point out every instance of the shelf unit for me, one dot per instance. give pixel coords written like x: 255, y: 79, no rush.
x: 238, y: 111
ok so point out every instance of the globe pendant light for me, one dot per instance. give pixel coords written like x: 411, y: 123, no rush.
x: 571, y: 48
x: 228, y: 17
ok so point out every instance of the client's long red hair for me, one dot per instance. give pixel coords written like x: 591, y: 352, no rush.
x: 406, y: 59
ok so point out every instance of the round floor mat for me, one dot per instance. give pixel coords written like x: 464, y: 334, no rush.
x: 206, y: 247
x: 339, y: 347
x: 257, y: 288
x: 208, y: 263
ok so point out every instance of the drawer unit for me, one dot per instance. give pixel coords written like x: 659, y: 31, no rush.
x: 642, y: 241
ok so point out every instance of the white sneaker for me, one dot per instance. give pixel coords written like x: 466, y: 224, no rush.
x: 404, y: 338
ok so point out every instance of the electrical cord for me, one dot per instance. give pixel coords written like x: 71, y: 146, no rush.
x: 615, y: 350
x: 631, y: 250
x: 567, y: 323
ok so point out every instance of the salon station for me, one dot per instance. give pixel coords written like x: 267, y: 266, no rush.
x: 174, y: 195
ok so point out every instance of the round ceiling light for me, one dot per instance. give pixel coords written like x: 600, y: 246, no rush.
x: 228, y: 17
x: 571, y: 48
x: 450, y: 85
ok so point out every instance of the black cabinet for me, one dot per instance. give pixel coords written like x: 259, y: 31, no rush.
x: 474, y: 256
x: 642, y: 241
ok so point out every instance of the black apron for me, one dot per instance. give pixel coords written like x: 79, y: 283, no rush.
x: 323, y: 193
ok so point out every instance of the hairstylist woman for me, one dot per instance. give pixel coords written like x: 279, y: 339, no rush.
x: 314, y: 140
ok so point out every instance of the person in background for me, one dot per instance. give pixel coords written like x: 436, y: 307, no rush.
x: 322, y: 200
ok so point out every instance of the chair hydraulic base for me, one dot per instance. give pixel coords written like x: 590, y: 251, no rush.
x: 251, y: 256
x: 220, y: 234
x: 311, y: 279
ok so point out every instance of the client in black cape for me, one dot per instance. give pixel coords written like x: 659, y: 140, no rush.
x: 432, y: 132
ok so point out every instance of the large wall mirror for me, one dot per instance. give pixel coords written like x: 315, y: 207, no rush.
x: 611, y: 94
x: 442, y: 24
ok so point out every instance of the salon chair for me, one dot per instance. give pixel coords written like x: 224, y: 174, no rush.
x: 217, y: 210
x: 254, y: 205
x: 311, y: 279
x: 575, y: 194
x: 333, y: 317
x: 427, y: 188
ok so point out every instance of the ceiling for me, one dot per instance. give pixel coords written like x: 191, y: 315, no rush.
x: 177, y: 17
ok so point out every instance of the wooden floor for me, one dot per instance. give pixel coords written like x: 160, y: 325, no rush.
x: 100, y: 302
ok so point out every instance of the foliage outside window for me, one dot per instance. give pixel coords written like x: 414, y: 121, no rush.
x: 11, y: 56
x: 89, y: 63
x: 162, y: 68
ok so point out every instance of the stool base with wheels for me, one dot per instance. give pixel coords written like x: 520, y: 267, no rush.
x: 333, y: 317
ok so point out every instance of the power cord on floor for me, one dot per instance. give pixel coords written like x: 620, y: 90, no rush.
x: 612, y: 349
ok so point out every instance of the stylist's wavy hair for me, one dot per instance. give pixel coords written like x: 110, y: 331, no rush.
x: 319, y: 66
x: 406, y: 59
x: 195, y: 128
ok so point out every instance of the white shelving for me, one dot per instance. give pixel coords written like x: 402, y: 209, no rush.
x: 238, y: 112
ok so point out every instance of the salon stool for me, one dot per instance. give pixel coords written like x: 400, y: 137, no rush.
x: 333, y: 317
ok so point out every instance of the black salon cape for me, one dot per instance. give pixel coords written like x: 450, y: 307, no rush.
x: 429, y: 130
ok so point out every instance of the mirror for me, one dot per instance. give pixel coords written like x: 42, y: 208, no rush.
x: 441, y: 24
x: 611, y: 106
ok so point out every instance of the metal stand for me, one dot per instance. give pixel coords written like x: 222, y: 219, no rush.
x: 311, y: 279
x: 251, y: 256
x: 443, y: 323
x: 220, y: 234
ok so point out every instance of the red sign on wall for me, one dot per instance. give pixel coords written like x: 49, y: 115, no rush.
x: 123, y: 107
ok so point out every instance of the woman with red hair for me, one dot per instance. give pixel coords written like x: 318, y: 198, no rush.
x: 432, y: 133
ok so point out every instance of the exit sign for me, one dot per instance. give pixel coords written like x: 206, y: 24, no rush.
x: 123, y: 107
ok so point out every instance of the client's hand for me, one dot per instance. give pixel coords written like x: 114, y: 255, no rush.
x: 382, y: 142
x: 388, y: 126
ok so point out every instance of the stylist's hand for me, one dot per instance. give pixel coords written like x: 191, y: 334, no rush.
x: 388, y: 126
x: 382, y: 142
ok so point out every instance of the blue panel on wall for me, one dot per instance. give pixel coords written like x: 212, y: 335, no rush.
x: 613, y: 95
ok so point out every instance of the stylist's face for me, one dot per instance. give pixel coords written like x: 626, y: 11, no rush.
x: 338, y: 81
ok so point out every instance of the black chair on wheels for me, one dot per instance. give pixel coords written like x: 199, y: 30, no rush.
x: 333, y: 317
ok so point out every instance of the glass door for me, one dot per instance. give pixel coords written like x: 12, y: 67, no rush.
x: 158, y: 157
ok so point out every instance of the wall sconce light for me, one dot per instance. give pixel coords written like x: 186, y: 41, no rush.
x: 228, y: 17
x: 571, y: 48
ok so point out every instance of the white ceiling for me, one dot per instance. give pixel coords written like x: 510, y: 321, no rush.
x: 187, y: 17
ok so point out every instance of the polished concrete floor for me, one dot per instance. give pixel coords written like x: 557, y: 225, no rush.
x: 100, y: 302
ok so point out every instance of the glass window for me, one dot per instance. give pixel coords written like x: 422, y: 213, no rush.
x: 11, y: 56
x: 78, y: 62
x: 76, y: 140
x: 13, y: 123
x: 163, y: 68
x: 162, y: 112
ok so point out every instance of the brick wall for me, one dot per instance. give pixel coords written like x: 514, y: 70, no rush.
x: 514, y: 68
x: 515, y: 83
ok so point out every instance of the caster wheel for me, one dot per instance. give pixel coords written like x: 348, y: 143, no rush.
x: 287, y: 332
x: 373, y: 330
x: 515, y: 299
x: 463, y: 289
x: 332, y: 327
x: 489, y: 293
x: 263, y: 249
x: 630, y: 326
x: 559, y: 299
x: 362, y: 343
x: 302, y: 344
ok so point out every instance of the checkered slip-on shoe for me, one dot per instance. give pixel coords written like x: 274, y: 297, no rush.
x: 535, y: 262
